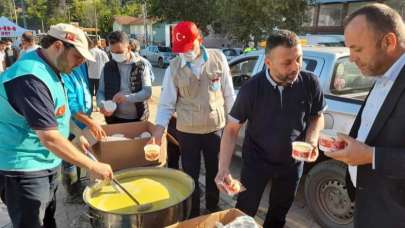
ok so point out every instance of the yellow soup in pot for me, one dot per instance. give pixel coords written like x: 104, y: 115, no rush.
x: 161, y: 192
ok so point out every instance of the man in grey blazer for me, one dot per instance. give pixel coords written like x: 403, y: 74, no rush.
x: 375, y: 150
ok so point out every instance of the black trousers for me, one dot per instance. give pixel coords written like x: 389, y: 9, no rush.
x: 31, y: 201
x: 284, y: 179
x: 116, y: 120
x: 173, y: 151
x: 191, y: 146
x: 93, y: 84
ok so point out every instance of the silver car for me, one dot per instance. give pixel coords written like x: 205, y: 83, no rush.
x: 345, y: 88
x: 158, y: 55
x: 231, y: 53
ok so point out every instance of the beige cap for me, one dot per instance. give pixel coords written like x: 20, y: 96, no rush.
x: 72, y: 35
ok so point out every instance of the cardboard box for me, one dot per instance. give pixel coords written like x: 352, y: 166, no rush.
x: 209, y: 221
x: 128, y: 153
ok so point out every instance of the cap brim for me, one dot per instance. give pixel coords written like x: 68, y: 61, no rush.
x: 182, y: 48
x: 85, y: 53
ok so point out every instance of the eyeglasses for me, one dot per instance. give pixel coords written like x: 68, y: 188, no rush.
x: 67, y: 45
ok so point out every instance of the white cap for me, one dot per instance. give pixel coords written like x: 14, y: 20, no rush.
x: 72, y: 35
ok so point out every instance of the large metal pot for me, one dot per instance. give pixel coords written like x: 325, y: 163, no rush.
x: 154, y: 219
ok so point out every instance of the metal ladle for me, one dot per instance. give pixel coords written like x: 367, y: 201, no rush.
x: 140, y: 207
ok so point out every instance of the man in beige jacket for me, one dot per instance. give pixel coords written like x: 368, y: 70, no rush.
x: 198, y: 87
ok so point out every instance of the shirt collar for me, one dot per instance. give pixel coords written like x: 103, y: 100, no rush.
x: 204, y: 56
x: 272, y: 82
x: 392, y: 73
x: 42, y: 56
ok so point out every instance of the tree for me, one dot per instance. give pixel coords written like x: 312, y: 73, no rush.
x: 106, y: 13
x: 55, y: 13
x: 203, y: 12
x: 244, y: 19
x: 7, y: 9
x: 240, y: 19
x: 43, y: 13
x: 36, y: 10
x: 88, y: 12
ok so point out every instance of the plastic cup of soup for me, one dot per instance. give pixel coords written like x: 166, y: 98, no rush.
x: 302, y: 150
x: 109, y: 106
x: 152, y: 152
x: 328, y: 141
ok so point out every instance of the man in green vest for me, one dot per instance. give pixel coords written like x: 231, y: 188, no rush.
x: 251, y: 47
x: 34, y: 126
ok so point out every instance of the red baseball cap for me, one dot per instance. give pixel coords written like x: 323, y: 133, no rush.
x: 183, y: 36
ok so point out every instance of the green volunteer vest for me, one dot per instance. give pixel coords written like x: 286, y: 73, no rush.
x: 20, y: 147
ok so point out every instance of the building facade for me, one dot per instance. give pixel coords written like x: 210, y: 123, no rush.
x: 134, y: 27
x: 326, y: 16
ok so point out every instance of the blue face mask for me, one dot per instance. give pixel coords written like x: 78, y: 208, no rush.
x: 215, y: 85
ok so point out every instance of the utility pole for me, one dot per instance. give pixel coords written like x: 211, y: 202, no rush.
x: 95, y: 17
x: 15, y: 11
x: 144, y: 22
x: 66, y: 11
x: 42, y: 24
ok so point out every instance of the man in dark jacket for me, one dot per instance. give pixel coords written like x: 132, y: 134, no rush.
x: 375, y: 148
x: 11, y: 54
x: 126, y: 81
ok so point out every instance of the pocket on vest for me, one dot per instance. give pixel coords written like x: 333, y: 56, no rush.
x: 216, y: 116
x: 186, y: 88
x: 187, y: 117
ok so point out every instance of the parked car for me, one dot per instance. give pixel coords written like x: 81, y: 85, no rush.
x: 157, y: 55
x: 345, y: 89
x: 231, y: 53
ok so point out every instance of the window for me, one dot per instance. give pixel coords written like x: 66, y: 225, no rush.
x: 309, y: 65
x: 126, y: 29
x: 164, y: 49
x: 330, y: 15
x: 309, y: 18
x: 246, y: 67
x: 353, y: 6
x: 229, y: 52
x: 348, y: 80
x: 242, y: 70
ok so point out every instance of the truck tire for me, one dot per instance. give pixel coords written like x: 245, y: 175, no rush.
x: 327, y: 197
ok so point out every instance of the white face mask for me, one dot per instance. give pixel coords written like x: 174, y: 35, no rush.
x: 119, y: 57
x: 188, y: 56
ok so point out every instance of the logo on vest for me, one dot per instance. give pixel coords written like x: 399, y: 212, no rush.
x: 60, y: 111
